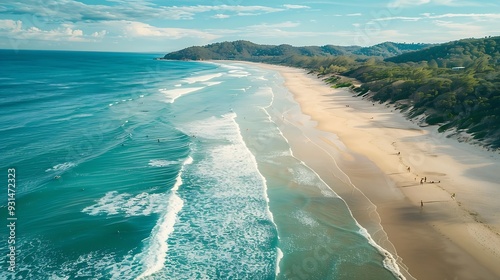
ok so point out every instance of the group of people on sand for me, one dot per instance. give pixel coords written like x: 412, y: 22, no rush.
x: 424, y: 180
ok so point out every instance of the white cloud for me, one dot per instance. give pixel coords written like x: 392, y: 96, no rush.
x: 265, y: 26
x: 279, y: 31
x: 333, y: 36
x: 238, y: 9
x: 481, y: 17
x: 74, y: 11
x: 406, y: 3
x: 58, y: 34
x: 99, y: 34
x: 139, y: 29
x: 471, y: 15
x: 11, y: 25
x: 451, y: 3
x: 398, y: 18
x: 465, y: 28
x: 220, y: 16
x: 445, y: 31
x: 290, y: 6
x: 62, y: 33
x: 372, y: 36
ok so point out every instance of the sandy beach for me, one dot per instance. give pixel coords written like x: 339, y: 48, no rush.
x: 426, y: 198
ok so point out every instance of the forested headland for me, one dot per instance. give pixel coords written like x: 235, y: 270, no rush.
x: 454, y: 85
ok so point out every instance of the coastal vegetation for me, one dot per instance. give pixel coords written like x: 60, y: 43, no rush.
x: 455, y: 85
x: 248, y: 51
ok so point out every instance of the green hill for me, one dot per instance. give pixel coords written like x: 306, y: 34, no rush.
x: 455, y: 85
x: 389, y: 49
x: 462, y: 53
x: 245, y: 50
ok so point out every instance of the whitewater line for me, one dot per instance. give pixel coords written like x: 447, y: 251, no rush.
x: 157, y: 248
x: 279, y: 253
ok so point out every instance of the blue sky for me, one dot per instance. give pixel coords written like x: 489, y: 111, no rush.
x: 162, y: 26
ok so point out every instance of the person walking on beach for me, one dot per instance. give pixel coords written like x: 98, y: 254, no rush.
x: 425, y: 179
x: 421, y: 203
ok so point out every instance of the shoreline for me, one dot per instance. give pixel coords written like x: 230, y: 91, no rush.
x: 449, y: 237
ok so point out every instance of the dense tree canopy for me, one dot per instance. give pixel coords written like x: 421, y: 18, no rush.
x: 245, y: 50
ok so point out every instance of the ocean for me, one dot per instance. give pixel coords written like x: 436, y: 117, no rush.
x: 128, y: 167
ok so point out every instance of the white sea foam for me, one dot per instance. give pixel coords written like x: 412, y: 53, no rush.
x: 243, y: 89
x: 304, y: 218
x: 114, y: 203
x: 161, y: 162
x: 235, y: 205
x: 212, y: 128
x: 202, y: 78
x: 173, y: 94
x: 91, y: 265
x: 227, y: 66
x: 61, y: 167
x: 177, y: 85
x: 303, y: 175
x: 389, y: 262
x: 211, y: 83
x: 154, y: 255
x: 42, y: 265
x: 71, y: 117
x: 56, y: 277
x: 238, y: 73
x: 279, y: 257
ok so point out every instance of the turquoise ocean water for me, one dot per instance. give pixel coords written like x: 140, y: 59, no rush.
x: 132, y: 168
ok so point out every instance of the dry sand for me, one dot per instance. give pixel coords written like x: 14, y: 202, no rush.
x: 447, y: 238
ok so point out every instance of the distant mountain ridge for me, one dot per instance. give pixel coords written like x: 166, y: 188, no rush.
x: 461, y: 53
x: 245, y: 50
